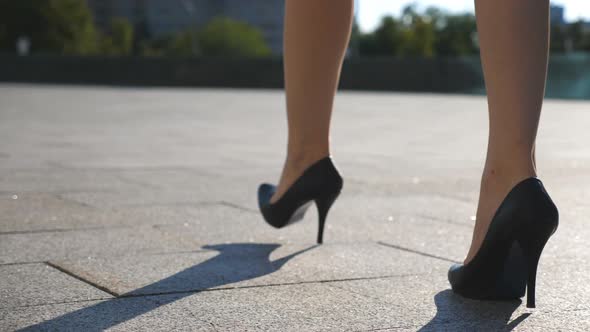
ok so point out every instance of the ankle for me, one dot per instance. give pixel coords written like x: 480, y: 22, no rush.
x: 303, y: 158
x: 500, y: 175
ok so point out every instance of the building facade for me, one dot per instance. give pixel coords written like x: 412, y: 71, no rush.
x: 557, y: 14
x: 159, y: 18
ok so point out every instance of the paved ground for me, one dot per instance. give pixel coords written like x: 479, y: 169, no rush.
x: 134, y: 209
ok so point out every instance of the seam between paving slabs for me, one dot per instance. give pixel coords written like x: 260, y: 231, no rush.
x: 263, y: 286
x: 391, y: 327
x: 175, y: 204
x: 417, y: 252
x: 64, y: 302
x: 113, y: 256
x: 65, y: 230
x: 61, y: 302
x: 91, y: 228
x: 237, y: 206
x: 81, y: 229
x: 131, y: 296
x: 86, y: 228
x: 446, y: 221
x: 356, y: 293
x: 21, y: 263
x: 136, y: 182
x: 110, y: 168
x: 115, y: 294
x: 84, y: 280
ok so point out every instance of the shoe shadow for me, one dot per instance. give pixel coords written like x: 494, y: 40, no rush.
x: 454, y: 312
x: 235, y: 262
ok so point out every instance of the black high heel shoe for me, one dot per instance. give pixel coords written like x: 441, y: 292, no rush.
x: 320, y: 183
x: 507, y: 261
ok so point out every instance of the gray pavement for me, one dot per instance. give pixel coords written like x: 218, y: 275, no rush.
x: 135, y: 209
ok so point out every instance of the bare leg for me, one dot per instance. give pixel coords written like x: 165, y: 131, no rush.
x: 316, y: 37
x: 514, y: 39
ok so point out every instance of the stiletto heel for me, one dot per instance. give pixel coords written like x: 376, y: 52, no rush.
x: 506, y: 264
x: 532, y: 278
x: 323, y: 205
x: 320, y: 183
x: 532, y: 248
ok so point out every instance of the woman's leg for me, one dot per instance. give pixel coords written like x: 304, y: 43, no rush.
x: 316, y: 38
x: 514, y: 39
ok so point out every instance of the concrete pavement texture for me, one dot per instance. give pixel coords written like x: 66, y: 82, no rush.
x: 135, y: 209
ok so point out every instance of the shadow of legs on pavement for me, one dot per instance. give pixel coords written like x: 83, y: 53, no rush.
x: 457, y: 313
x: 235, y: 262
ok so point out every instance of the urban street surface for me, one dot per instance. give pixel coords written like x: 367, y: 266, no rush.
x: 135, y: 209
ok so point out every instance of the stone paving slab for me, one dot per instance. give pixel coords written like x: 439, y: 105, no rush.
x: 142, y: 180
x: 37, y: 284
x: 343, y: 225
x: 431, y: 295
x: 249, y: 264
x: 361, y: 305
x: 329, y: 307
x: 47, y: 212
x: 170, y: 187
x: 200, y: 185
x: 57, y: 179
x: 294, y: 308
x: 562, y: 282
x: 131, y: 314
x: 37, y: 211
x: 88, y: 243
x: 351, y: 219
x: 311, y: 307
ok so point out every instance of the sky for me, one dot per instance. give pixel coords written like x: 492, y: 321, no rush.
x: 371, y: 11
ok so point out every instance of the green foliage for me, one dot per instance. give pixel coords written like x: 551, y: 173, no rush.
x: 558, y: 39
x: 355, y: 37
x: 579, y: 36
x: 58, y: 26
x: 456, y: 34
x: 181, y: 44
x: 434, y: 32
x: 411, y: 35
x: 220, y: 37
x: 67, y: 27
x: 573, y: 37
x: 418, y: 34
x: 386, y: 40
x: 224, y: 36
x: 120, y: 39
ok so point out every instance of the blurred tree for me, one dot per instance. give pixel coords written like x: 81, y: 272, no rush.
x: 428, y: 34
x: 183, y: 44
x: 224, y: 36
x: 180, y: 44
x: 57, y: 26
x: 152, y: 47
x: 418, y: 34
x: 579, y: 39
x: 367, y: 45
x: 119, y: 39
x: 384, y: 41
x: 558, y: 38
x: 355, y: 37
x: 455, y: 35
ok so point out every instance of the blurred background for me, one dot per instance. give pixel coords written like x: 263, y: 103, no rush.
x: 395, y: 45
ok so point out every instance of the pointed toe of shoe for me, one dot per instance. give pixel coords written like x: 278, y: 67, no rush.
x: 265, y: 192
x: 454, y: 275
